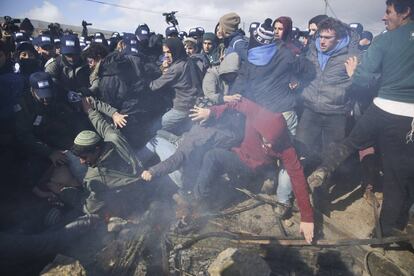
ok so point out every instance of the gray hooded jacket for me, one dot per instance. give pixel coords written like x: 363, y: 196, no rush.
x: 214, y: 87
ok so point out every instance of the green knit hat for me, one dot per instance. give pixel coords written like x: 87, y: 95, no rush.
x: 87, y: 138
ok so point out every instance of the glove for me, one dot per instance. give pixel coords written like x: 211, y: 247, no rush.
x: 85, y: 92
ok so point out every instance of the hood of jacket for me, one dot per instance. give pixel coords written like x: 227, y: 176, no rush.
x: 261, y: 55
x: 323, y: 57
x: 177, y: 48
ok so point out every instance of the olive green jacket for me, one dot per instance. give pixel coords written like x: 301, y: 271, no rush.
x: 116, y: 167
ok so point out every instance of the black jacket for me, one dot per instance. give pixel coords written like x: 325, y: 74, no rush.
x: 121, y: 82
x: 268, y: 85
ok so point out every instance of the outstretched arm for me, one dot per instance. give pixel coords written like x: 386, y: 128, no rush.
x: 295, y: 171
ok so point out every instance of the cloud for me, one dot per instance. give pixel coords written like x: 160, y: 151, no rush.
x: 46, y: 12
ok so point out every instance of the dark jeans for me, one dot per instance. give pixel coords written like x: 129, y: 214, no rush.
x: 316, y: 131
x: 389, y: 132
x: 215, y: 163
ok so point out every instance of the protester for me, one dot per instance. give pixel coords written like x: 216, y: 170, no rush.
x: 210, y: 48
x: 111, y: 165
x: 283, y: 32
x: 233, y: 37
x: 388, y: 122
x: 190, y: 45
x: 266, y: 137
x: 224, y: 133
x: 182, y: 76
x: 266, y: 79
x: 326, y: 99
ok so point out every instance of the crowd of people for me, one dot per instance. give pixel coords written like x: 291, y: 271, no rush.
x: 88, y: 120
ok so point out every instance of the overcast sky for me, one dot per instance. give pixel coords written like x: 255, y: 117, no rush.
x: 192, y: 13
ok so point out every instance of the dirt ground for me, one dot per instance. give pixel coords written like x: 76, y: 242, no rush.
x: 147, y: 247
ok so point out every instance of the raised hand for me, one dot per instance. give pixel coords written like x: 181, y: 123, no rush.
x: 119, y: 120
x: 350, y: 65
x: 200, y: 114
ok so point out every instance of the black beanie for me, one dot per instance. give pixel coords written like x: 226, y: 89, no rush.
x: 262, y: 35
x: 176, y: 47
x: 26, y: 26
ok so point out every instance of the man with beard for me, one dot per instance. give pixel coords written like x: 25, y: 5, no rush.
x: 210, y: 44
x: 113, y: 171
x: 68, y: 70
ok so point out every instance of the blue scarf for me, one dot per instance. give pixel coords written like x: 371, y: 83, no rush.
x: 261, y: 55
x: 324, y: 57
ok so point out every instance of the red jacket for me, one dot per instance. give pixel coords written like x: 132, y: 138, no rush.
x: 272, y: 126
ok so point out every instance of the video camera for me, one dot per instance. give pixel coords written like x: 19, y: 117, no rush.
x: 9, y: 26
x: 170, y: 18
x: 85, y: 24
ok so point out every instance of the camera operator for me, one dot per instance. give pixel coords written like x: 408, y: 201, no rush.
x: 27, y: 27
x: 8, y: 27
x: 55, y: 32
x: 170, y: 18
x: 85, y: 28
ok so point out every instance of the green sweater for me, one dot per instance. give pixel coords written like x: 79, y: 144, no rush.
x: 391, y: 55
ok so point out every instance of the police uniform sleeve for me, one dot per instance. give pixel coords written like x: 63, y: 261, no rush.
x: 25, y: 136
